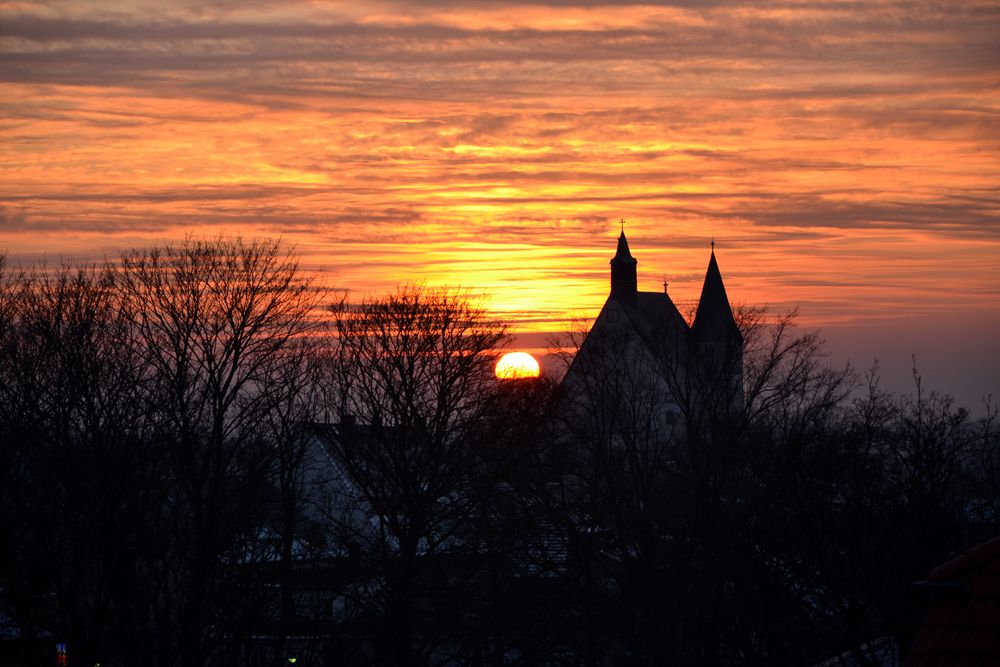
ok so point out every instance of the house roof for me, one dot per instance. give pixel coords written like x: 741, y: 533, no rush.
x: 963, y: 623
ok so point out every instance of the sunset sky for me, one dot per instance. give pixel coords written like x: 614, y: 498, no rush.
x: 844, y: 155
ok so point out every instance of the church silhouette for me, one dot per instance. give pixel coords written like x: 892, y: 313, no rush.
x: 640, y: 343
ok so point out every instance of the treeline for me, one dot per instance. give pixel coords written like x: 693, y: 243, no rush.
x: 148, y: 409
x: 207, y: 460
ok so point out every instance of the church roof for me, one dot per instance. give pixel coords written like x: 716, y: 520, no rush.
x: 650, y: 317
x: 714, y: 318
x: 655, y: 318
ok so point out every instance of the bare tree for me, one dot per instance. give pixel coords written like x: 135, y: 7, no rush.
x: 610, y: 501
x: 861, y: 498
x: 986, y: 463
x: 670, y: 453
x: 219, y: 324
x: 11, y: 289
x: 160, y: 479
x: 85, y: 479
x: 297, y: 404
x: 413, y: 381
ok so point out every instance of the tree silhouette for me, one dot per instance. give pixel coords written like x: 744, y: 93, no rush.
x: 220, y: 325
x: 412, y: 375
x: 84, y: 477
x: 170, y: 496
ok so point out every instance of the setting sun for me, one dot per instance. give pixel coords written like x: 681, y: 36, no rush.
x: 517, y: 365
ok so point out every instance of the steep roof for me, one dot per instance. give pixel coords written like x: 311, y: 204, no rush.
x: 656, y: 319
x: 651, y: 317
x: 714, y: 318
x: 622, y: 252
x: 963, y: 624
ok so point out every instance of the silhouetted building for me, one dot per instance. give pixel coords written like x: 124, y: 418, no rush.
x: 641, y: 344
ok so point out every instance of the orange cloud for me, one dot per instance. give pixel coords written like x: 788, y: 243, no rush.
x: 845, y: 155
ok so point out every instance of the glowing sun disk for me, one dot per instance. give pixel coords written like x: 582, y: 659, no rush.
x: 515, y: 365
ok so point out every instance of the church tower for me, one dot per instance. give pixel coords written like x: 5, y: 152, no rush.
x: 717, y: 337
x: 714, y: 319
x: 624, y: 282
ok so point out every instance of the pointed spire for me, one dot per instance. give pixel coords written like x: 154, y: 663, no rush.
x: 623, y: 251
x: 714, y: 319
x: 624, y: 283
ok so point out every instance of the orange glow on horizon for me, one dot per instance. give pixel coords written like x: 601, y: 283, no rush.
x: 846, y: 169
